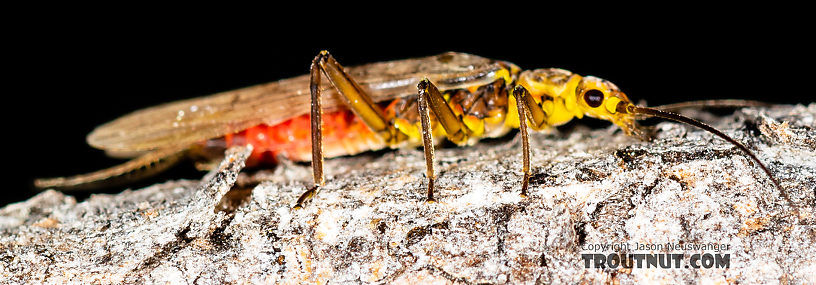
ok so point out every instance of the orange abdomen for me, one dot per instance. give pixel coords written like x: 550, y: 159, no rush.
x: 343, y: 134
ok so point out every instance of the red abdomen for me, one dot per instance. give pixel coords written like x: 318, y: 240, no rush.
x: 343, y: 134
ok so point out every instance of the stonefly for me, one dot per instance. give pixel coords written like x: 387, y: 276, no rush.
x: 393, y: 104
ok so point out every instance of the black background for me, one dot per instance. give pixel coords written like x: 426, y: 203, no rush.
x: 76, y: 73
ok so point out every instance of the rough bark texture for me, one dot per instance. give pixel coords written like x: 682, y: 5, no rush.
x: 370, y: 224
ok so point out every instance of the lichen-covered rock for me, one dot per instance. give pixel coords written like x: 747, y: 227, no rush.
x: 370, y: 224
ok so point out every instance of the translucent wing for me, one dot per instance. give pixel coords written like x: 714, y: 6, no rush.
x: 186, y: 122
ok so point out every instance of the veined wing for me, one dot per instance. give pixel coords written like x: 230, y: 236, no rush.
x: 185, y: 122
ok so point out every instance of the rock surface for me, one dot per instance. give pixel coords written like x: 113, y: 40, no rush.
x: 370, y: 224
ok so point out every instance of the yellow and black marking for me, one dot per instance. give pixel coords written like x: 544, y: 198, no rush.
x: 471, y: 113
x: 465, y: 114
x: 456, y: 96
x: 540, y: 97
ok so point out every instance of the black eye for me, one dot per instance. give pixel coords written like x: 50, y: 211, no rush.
x: 594, y: 98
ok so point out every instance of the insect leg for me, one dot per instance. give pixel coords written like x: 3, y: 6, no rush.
x: 427, y: 137
x: 519, y: 93
x: 357, y: 100
x: 455, y: 130
x: 429, y: 98
x: 526, y: 104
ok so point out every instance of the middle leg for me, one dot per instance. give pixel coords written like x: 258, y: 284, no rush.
x: 429, y: 99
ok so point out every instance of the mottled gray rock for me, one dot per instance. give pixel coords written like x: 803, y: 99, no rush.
x: 370, y: 223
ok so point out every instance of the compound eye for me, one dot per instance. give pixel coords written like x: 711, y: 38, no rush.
x: 594, y: 98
